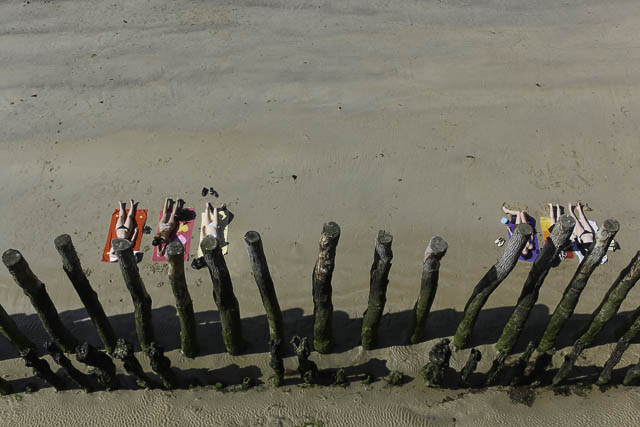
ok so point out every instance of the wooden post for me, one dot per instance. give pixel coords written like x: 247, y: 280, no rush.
x: 265, y: 285
x: 78, y: 377
x: 275, y: 362
x: 161, y: 365
x: 322, y: 290
x: 223, y: 295
x: 5, y: 387
x: 433, y: 372
x: 10, y: 331
x: 472, y: 362
x: 103, y: 368
x: 621, y: 346
x: 141, y: 299
x: 124, y: 352
x: 175, y: 258
x: 521, y: 365
x: 37, y: 293
x: 569, y: 300
x: 490, y: 282
x: 436, y: 249
x: 71, y: 266
x: 307, y: 369
x: 559, y: 238
x: 605, y: 311
x: 41, y: 368
x: 496, y: 369
x: 379, y: 279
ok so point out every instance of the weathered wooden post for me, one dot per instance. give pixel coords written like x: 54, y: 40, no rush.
x: 322, y: 290
x: 223, y: 295
x: 12, y: 333
x: 123, y: 249
x: 621, y: 346
x: 124, y: 352
x: 379, y: 279
x: 608, y: 308
x: 37, y: 293
x: 275, y: 362
x: 5, y: 387
x: 469, y: 368
x: 73, y: 268
x: 433, y: 372
x: 436, y: 249
x: 41, y: 368
x: 161, y: 365
x: 521, y: 365
x: 77, y: 376
x: 490, y: 282
x: 307, y: 368
x: 184, y: 305
x: 102, y: 366
x: 265, y: 285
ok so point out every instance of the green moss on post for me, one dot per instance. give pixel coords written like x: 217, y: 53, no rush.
x: 436, y: 249
x: 223, y: 295
x: 184, y: 305
x: 567, y: 304
x: 489, y: 283
x: 73, y: 269
x: 10, y: 331
x: 379, y: 279
x: 559, y: 238
x: 621, y: 346
x: 37, y: 293
x: 123, y: 248
x: 322, y: 290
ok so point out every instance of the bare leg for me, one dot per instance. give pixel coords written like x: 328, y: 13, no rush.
x: 587, y: 237
x: 172, y: 221
x: 131, y: 218
x: 552, y: 214
x: 510, y: 211
x: 523, y: 219
x: 579, y: 229
x: 165, y: 212
x: 207, y: 213
x: 121, y: 215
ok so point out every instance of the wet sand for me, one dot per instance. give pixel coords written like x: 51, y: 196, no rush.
x: 418, y: 118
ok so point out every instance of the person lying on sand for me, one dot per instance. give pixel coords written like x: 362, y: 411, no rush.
x: 521, y: 217
x: 127, y: 228
x: 583, y: 231
x: 167, y: 224
x: 211, y: 219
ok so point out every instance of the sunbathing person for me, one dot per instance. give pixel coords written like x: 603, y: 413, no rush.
x: 583, y: 231
x: 126, y: 228
x: 211, y: 220
x: 521, y: 217
x: 167, y: 224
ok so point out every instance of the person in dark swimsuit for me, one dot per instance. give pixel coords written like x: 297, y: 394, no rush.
x: 167, y: 224
x: 521, y: 217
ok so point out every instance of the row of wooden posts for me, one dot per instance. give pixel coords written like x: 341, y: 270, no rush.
x: 526, y: 370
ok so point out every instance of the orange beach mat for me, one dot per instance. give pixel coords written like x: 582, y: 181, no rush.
x: 141, y: 220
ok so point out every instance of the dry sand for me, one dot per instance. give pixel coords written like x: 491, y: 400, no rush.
x: 417, y: 117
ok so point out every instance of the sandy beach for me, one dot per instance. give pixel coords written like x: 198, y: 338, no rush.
x: 419, y: 118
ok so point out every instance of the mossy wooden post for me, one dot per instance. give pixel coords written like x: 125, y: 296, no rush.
x: 265, y: 285
x: 379, y: 279
x: 434, y: 372
x: 184, y: 305
x: 608, y: 308
x: 37, y: 293
x: 559, y: 238
x: 490, y: 282
x: 521, y: 365
x: 436, y: 249
x: 567, y: 304
x: 275, y: 362
x: 77, y: 376
x: 322, y: 290
x: 12, y: 333
x: 223, y: 295
x: 124, y: 352
x: 73, y: 268
x: 161, y: 365
x: 123, y: 249
x: 103, y: 368
x: 41, y: 368
x: 5, y: 387
x: 472, y: 362
x: 621, y: 346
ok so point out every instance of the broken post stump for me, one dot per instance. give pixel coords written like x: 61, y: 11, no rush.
x: 521, y: 365
x: 9, y: 329
x: 275, y: 362
x: 264, y: 282
x: 632, y: 378
x: 76, y: 375
x: 379, y: 279
x: 184, y: 305
x: 559, y: 238
x: 569, y: 362
x: 124, y: 352
x: 433, y: 372
x: 621, y: 346
x: 567, y: 304
x: 5, y: 387
x: 41, y: 368
x: 496, y: 369
x: 307, y: 368
x: 469, y: 368
x: 536, y: 373
x: 223, y: 295
x: 436, y: 249
x: 490, y: 282
x: 161, y: 365
x: 102, y: 366
x: 72, y: 267
x: 322, y: 290
x: 37, y: 293
x: 123, y: 249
